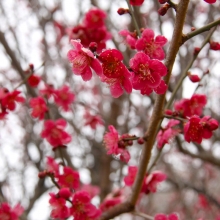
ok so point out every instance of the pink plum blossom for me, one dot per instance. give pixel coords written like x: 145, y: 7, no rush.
x: 83, y: 60
x: 165, y: 134
x: 130, y: 38
x: 196, y: 128
x: 115, y: 144
x: 152, y: 47
x: 192, y: 106
x: 147, y: 72
x: 54, y: 132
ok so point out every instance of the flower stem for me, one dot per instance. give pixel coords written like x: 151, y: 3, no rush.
x: 133, y: 18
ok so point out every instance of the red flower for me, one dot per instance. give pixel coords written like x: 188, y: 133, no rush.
x: 129, y: 179
x: 136, y: 2
x: 88, y: 35
x: 92, y: 190
x: 39, y: 107
x: 194, y: 78
x: 113, y: 198
x: 34, y: 80
x: 60, y: 210
x: 150, y: 181
x: 115, y: 72
x: 111, y: 140
x: 54, y: 132
x: 82, y: 208
x: 94, y: 18
x: 172, y: 216
x: 117, y: 84
x: 111, y: 63
x: 64, y: 98
x: 69, y: 178
x: 130, y: 38
x: 161, y: 89
x: 10, y: 99
x: 196, y: 129
x: 210, y: 1
x: 83, y: 60
x: 165, y: 134
x: 116, y: 145
x: 153, y: 180
x: 52, y: 166
x: 147, y: 72
x: 48, y: 91
x: 214, y: 45
x: 193, y: 106
x: 8, y: 213
x: 92, y: 120
x: 152, y: 47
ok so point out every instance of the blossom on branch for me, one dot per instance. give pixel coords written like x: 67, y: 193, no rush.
x: 151, y: 47
x: 64, y: 97
x: 147, y: 73
x: 83, y: 60
x: 92, y: 120
x: 150, y: 181
x: 115, y: 72
x: 136, y: 2
x: 161, y: 216
x: 39, y: 107
x: 117, y: 144
x: 196, y: 128
x: 54, y: 133
x: 8, y: 213
x: 34, y: 80
x: 82, y: 208
x: 130, y: 38
x: 165, y: 134
x: 9, y: 100
x: 69, y: 178
x: 60, y: 209
x: 192, y: 106
x: 210, y: 1
x: 92, y: 29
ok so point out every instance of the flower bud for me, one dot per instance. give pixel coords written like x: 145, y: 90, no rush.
x: 163, y: 10
x: 140, y: 141
x: 93, y: 46
x: 162, y: 1
x: 122, y: 11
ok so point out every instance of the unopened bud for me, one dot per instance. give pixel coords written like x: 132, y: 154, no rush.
x: 93, y: 46
x: 168, y: 112
x: 196, y: 50
x: 122, y: 11
x: 163, y: 10
x: 162, y: 1
x: 194, y: 78
x: 140, y: 140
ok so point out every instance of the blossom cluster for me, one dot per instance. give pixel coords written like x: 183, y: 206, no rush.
x: 146, y: 69
x: 92, y: 29
x: 195, y: 128
x: 150, y: 180
x: 71, y: 200
x: 8, y: 101
x: 9, y: 213
x: 116, y: 144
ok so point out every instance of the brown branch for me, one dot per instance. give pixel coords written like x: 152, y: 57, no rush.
x: 155, y: 119
x: 15, y: 63
x: 200, y: 30
x: 204, y: 155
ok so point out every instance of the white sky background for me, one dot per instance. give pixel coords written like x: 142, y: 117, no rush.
x: 41, y: 209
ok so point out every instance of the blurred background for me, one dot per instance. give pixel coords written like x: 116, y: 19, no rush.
x: 38, y: 32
